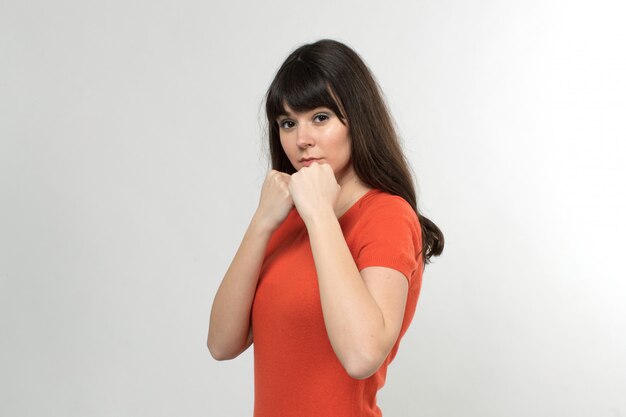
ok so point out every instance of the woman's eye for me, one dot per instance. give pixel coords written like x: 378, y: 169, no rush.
x: 286, y: 124
x: 321, y: 117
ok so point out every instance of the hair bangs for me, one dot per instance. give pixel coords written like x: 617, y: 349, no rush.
x: 302, y: 88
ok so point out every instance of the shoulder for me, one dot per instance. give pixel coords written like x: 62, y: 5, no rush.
x: 380, y: 198
x: 387, y: 233
x: 380, y: 205
x: 383, y: 214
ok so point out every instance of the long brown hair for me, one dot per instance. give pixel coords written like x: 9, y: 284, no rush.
x: 329, y: 74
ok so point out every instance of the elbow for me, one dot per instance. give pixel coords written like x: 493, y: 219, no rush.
x: 362, y: 372
x: 363, y: 366
x: 216, y: 353
x: 221, y: 354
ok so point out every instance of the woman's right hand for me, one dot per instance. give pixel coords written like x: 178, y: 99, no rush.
x: 275, y: 202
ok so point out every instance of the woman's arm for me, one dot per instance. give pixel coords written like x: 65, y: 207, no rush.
x: 230, y: 332
x: 363, y: 312
x: 229, y: 325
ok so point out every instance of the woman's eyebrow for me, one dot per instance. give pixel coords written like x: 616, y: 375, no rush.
x: 286, y: 113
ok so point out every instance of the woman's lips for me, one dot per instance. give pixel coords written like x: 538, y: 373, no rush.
x: 308, y: 162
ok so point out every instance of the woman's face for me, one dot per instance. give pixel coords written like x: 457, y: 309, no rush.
x: 318, y: 135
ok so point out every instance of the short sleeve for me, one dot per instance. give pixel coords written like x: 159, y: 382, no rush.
x: 390, y: 237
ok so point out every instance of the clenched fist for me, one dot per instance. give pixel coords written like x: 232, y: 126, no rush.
x: 275, y: 201
x: 314, y: 189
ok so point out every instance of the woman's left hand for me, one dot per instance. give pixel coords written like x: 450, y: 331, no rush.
x: 314, y: 190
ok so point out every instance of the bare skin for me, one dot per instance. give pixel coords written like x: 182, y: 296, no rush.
x: 230, y: 332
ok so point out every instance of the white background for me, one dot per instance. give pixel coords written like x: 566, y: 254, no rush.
x: 131, y: 155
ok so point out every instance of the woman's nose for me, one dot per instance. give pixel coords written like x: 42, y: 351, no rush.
x: 305, y: 137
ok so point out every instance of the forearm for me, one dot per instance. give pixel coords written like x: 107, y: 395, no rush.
x: 351, y: 315
x: 230, y: 314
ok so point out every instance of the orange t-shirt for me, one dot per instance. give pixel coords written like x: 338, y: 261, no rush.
x: 296, y: 371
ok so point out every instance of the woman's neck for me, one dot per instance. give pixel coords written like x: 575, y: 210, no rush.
x: 352, y: 189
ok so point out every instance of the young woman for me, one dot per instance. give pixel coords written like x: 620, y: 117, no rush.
x: 326, y: 280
